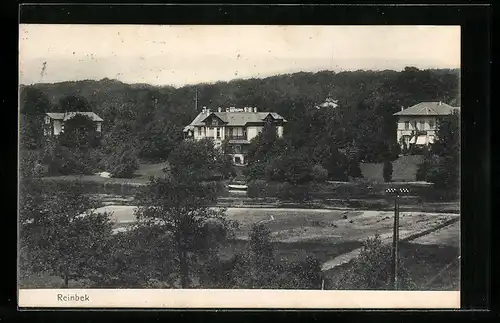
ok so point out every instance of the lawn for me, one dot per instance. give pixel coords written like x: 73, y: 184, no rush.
x: 142, y: 175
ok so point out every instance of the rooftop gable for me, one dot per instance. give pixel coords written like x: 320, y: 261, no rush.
x: 427, y: 108
x: 236, y: 118
x: 64, y: 116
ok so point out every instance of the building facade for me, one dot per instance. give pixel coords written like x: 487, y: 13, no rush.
x: 417, y: 125
x: 236, y: 126
x: 54, y: 121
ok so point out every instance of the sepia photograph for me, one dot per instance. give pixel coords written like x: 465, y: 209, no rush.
x: 260, y: 162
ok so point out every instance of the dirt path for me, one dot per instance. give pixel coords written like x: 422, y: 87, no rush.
x: 449, y: 227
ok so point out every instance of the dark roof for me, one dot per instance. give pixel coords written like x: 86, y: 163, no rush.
x: 427, y: 108
x: 68, y: 115
x: 236, y: 118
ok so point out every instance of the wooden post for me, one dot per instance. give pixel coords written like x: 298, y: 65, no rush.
x: 396, y: 251
x: 395, y: 238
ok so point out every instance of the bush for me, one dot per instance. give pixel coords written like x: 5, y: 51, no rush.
x: 372, y: 269
x: 319, y: 173
x: 123, y: 164
x: 256, y: 188
x: 293, y: 192
x: 66, y: 161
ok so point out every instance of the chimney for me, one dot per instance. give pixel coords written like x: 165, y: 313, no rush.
x: 227, y: 110
x: 255, y: 109
x: 440, y: 103
x: 219, y: 109
x: 402, y: 108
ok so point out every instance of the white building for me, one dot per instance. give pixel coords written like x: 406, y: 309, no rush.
x: 54, y: 121
x: 238, y: 126
x: 418, y: 124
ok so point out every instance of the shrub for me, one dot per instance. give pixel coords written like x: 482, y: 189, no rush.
x: 284, y: 191
x: 256, y: 188
x: 371, y: 270
x: 294, y: 192
x: 319, y: 173
x: 122, y: 164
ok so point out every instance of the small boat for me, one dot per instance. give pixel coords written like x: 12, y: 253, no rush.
x: 237, y: 186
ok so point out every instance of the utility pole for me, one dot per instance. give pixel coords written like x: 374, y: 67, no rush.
x: 196, y: 100
x: 395, y: 236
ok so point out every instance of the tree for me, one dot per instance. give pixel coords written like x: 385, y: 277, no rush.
x: 262, y: 144
x: 196, y: 160
x: 33, y: 105
x: 180, y: 203
x: 158, y: 139
x: 33, y: 102
x: 80, y: 132
x: 181, y: 208
x: 60, y: 231
x: 122, y: 163
x: 387, y: 171
x: 73, y: 103
x: 442, y: 164
x: 254, y: 268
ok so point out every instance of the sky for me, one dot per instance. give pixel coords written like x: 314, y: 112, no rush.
x: 189, y: 54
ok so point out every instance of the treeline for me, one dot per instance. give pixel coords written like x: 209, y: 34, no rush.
x: 150, y: 119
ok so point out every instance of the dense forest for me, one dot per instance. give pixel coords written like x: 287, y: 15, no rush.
x: 148, y: 120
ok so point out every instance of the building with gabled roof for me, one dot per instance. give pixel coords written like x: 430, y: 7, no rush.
x: 54, y: 121
x: 417, y: 125
x: 237, y: 126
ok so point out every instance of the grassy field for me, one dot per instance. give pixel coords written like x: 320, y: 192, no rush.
x: 404, y: 169
x: 142, y: 175
x: 431, y: 267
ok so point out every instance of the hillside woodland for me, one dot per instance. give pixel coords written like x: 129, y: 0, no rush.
x: 144, y: 122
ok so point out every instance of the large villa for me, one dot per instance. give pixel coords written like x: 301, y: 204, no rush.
x: 237, y: 126
x: 417, y: 125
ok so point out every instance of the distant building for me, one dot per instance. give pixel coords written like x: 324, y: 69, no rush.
x: 418, y: 124
x: 238, y: 126
x: 54, y: 121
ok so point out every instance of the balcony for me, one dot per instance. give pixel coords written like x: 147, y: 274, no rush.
x: 239, y: 137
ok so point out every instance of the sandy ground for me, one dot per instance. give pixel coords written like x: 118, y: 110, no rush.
x: 294, y: 225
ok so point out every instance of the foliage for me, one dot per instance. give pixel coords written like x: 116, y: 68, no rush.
x: 79, y: 132
x: 441, y: 165
x: 372, y: 269
x: 158, y: 139
x: 257, y: 267
x: 319, y: 173
x: 60, y: 232
x: 196, y: 160
x: 180, y: 207
x: 364, y: 118
x: 387, y: 171
x: 123, y: 163
x: 72, y: 103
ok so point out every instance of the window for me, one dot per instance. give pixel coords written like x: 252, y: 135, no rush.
x: 218, y: 133
x: 237, y: 149
x: 47, y: 120
x: 414, y: 125
x: 199, y: 132
x: 407, y: 125
x: 215, y: 122
x: 422, y: 125
x: 431, y: 124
